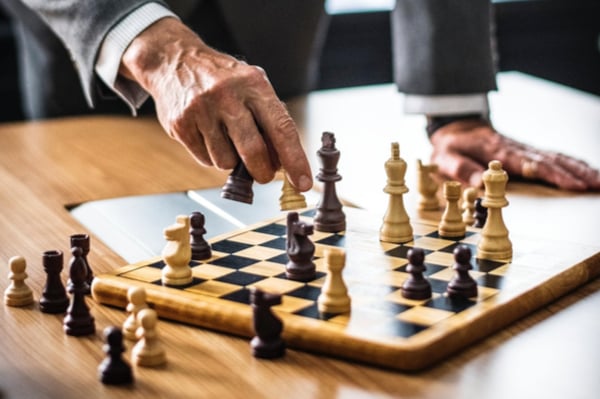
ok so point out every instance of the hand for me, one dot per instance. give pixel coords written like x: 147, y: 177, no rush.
x: 462, y: 150
x: 221, y: 109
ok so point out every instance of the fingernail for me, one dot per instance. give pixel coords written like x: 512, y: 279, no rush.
x: 304, y: 183
x: 476, y: 179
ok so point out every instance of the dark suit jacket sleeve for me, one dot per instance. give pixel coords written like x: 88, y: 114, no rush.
x: 81, y: 26
x: 443, y: 46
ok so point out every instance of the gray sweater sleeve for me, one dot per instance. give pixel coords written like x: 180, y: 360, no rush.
x: 81, y: 26
x: 443, y: 47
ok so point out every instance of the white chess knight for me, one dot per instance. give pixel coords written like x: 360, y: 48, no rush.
x: 177, y: 254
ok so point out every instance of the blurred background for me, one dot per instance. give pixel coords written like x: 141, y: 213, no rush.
x: 558, y: 40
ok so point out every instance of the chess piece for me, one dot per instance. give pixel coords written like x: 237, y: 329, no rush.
x: 83, y: 241
x: 330, y: 217
x: 396, y: 226
x: 290, y: 198
x: 480, y: 213
x: 177, y: 253
x: 148, y: 351
x: 416, y: 285
x: 468, y: 206
x: 494, y: 243
x: 137, y: 301
x: 300, y: 249
x: 334, y: 297
x: 462, y: 284
x: 54, y: 297
x: 78, y: 320
x: 451, y: 224
x: 200, y: 248
x: 239, y: 185
x: 114, y: 370
x: 267, y: 343
x: 18, y: 293
x: 427, y: 187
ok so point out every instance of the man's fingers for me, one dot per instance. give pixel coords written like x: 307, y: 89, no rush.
x: 251, y: 146
x: 458, y: 167
x: 280, y: 129
x: 581, y: 170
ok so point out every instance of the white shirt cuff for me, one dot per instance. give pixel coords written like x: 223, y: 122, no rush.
x: 114, y: 45
x: 455, y: 104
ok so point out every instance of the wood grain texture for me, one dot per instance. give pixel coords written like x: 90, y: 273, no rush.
x: 47, y: 165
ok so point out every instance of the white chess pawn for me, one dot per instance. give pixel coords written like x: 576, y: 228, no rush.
x: 17, y: 293
x: 137, y: 302
x: 148, y: 351
x: 451, y: 225
x: 290, y: 198
x: 334, y: 297
x: 468, y: 206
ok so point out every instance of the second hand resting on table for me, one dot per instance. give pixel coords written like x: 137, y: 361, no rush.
x: 217, y: 107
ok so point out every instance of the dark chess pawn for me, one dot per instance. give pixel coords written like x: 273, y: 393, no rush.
x: 239, y: 185
x: 200, y: 248
x: 480, y: 213
x: 78, y: 320
x: 416, y: 285
x: 83, y: 241
x: 54, y: 297
x: 267, y: 343
x: 114, y: 370
x: 300, y: 249
x: 462, y: 284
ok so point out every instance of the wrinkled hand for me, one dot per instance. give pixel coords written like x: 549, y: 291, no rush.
x: 462, y: 150
x: 221, y: 109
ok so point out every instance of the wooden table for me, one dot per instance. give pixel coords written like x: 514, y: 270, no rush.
x: 45, y: 166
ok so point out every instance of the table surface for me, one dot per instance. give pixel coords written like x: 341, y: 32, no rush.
x: 47, y: 166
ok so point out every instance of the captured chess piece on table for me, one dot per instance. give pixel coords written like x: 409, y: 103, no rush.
x: 396, y: 226
x: 267, y: 342
x: 330, y: 217
x: 494, y: 243
x: 201, y: 249
x: 114, y: 370
x: 300, y: 249
x: 239, y: 185
x: 149, y: 350
x: 18, y: 292
x: 177, y: 253
x: 451, y: 224
x: 427, y: 187
x: 334, y: 298
x: 462, y: 285
x: 136, y: 297
x: 78, y: 320
x: 54, y: 297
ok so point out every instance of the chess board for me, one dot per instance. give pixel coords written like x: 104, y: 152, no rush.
x: 383, y: 328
